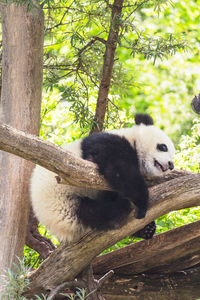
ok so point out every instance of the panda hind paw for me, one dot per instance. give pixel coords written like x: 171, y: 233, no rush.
x: 147, y: 232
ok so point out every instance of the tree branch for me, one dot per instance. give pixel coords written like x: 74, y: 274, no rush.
x: 67, y: 261
x: 176, y: 286
x: 158, y: 254
x: 35, y: 240
x: 111, y: 44
x: 71, y: 169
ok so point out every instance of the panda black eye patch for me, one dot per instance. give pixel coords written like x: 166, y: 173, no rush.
x: 162, y: 147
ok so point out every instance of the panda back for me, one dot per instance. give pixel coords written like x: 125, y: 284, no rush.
x: 55, y: 205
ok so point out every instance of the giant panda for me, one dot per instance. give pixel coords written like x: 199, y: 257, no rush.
x: 124, y: 157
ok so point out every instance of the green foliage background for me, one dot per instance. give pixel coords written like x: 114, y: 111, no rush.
x: 156, y: 71
x: 162, y: 86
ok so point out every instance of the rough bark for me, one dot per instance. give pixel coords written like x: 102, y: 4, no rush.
x: 68, y: 260
x: 176, y: 286
x: 50, y: 156
x: 111, y: 44
x: 35, y: 240
x: 71, y: 169
x: 181, y: 192
x: 19, y: 107
x: 172, y: 251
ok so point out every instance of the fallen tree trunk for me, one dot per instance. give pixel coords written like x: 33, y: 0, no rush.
x: 168, y: 252
x: 68, y: 261
x: 177, y: 286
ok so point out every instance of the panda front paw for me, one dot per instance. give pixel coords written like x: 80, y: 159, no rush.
x: 140, y: 213
x: 147, y: 232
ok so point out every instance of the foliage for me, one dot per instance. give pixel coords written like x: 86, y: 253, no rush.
x: 170, y: 85
x: 188, y: 158
x: 75, y: 36
x: 15, y: 281
x: 80, y: 294
x: 31, y: 258
x: 74, y: 48
x: 71, y: 91
x: 188, y: 155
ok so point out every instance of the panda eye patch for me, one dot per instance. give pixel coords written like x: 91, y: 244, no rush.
x: 162, y: 147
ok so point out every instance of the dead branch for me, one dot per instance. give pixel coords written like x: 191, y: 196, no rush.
x: 156, y: 255
x: 64, y: 285
x: 196, y: 104
x: 71, y: 169
x: 176, y: 286
x: 67, y: 261
x: 35, y: 240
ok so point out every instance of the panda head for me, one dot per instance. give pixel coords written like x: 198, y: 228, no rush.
x: 154, y: 148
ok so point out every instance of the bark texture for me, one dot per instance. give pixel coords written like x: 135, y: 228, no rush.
x: 71, y: 170
x: 20, y: 107
x: 181, y: 191
x: 171, y: 251
x: 35, y: 240
x: 177, y: 286
x: 178, y: 193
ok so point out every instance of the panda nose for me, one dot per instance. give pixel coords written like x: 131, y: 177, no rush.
x: 171, y: 165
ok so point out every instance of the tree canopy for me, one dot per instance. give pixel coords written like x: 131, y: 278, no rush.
x: 103, y: 62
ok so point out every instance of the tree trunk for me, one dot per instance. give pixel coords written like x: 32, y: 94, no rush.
x: 111, y: 44
x: 20, y: 107
x: 67, y: 261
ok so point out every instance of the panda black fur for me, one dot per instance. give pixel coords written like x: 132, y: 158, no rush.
x: 123, y: 157
x: 117, y: 161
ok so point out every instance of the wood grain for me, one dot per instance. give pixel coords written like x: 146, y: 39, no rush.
x: 68, y: 260
x: 20, y: 107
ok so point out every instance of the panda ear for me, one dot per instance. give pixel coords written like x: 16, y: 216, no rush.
x: 143, y: 119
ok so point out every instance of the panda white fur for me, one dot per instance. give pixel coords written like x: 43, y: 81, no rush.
x: 123, y: 157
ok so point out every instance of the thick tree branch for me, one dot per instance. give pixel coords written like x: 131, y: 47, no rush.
x: 158, y: 254
x: 71, y: 169
x: 67, y: 261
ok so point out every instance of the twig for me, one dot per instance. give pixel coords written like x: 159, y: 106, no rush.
x: 62, y: 286
x: 104, y: 278
x: 95, y: 38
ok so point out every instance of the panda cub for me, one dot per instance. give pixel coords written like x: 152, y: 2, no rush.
x: 123, y: 157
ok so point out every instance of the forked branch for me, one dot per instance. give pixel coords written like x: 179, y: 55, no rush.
x: 67, y: 261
